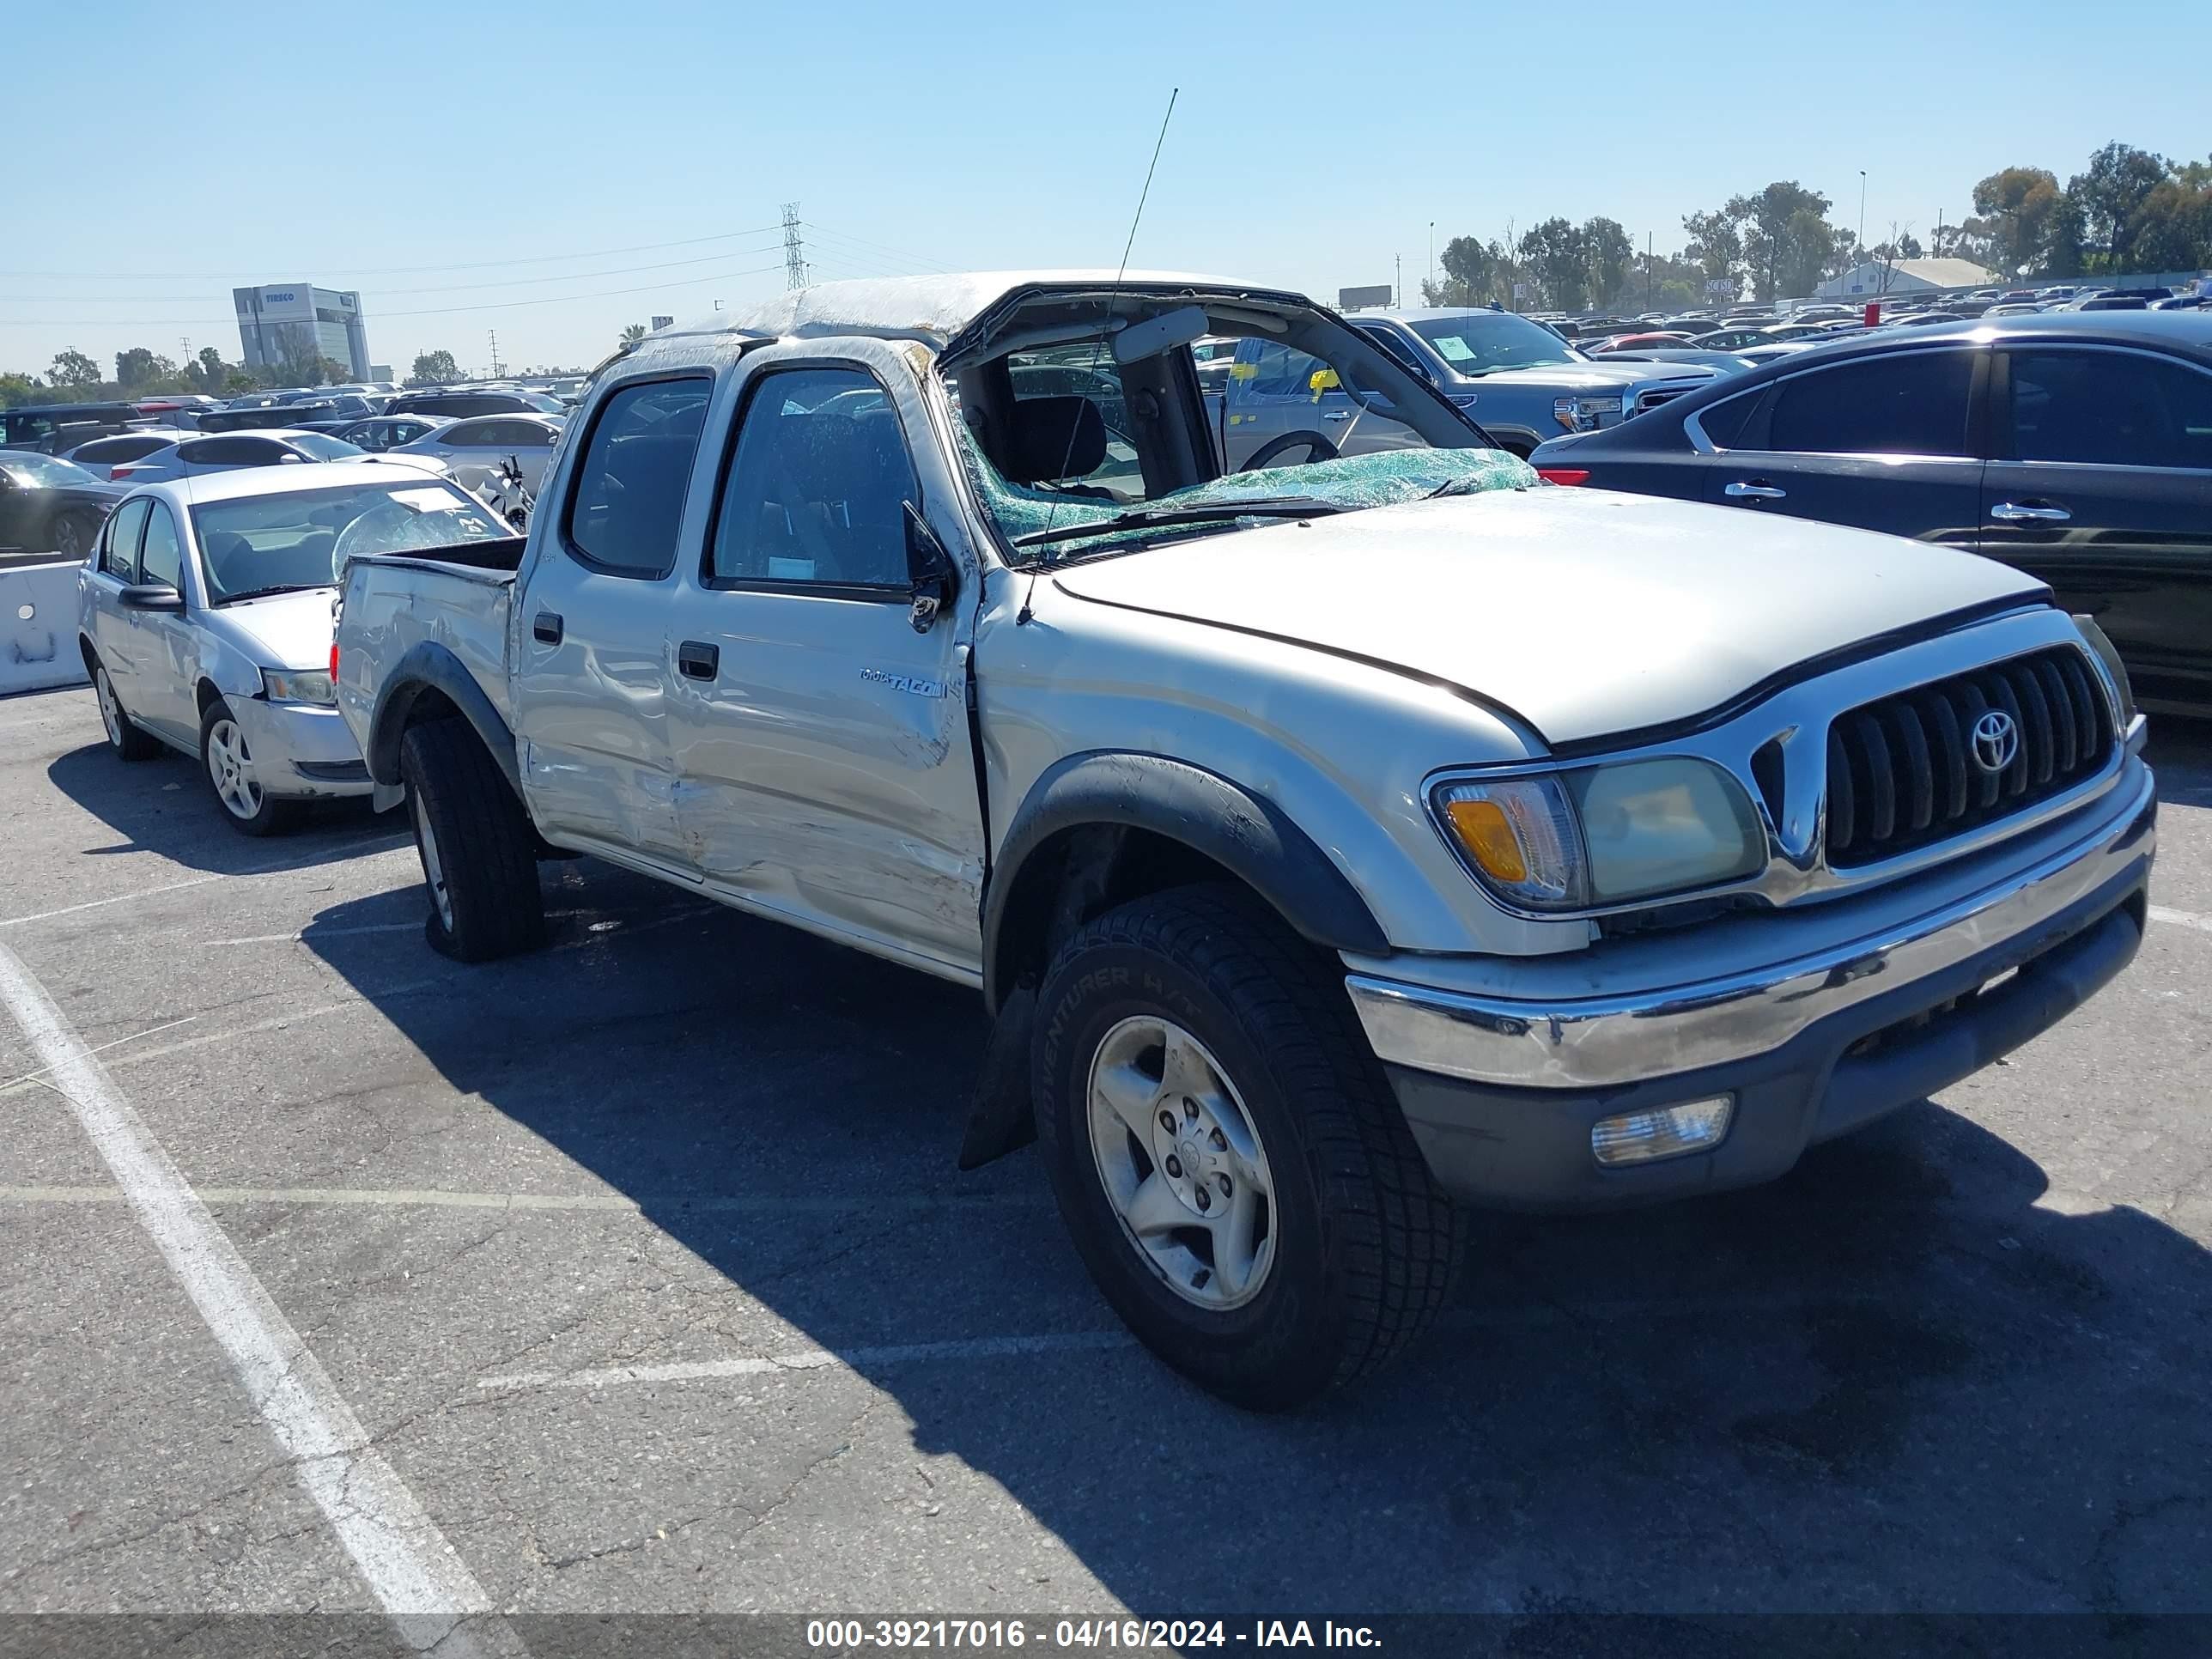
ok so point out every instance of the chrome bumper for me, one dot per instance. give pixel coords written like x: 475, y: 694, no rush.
x: 1598, y: 1041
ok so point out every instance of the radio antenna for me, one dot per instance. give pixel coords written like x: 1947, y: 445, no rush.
x: 1113, y: 296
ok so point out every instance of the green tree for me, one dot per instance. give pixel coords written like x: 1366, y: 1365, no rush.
x: 1471, y: 273
x: 2172, y: 230
x: 2021, y: 217
x: 73, y: 372
x: 208, y: 371
x: 2119, y: 179
x: 139, y: 370
x: 1786, y: 236
x: 19, y: 389
x: 1608, y: 253
x: 1555, y: 255
x: 437, y: 368
x: 633, y: 334
x: 1716, y: 248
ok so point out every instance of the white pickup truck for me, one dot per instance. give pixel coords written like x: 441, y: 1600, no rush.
x: 1334, y: 843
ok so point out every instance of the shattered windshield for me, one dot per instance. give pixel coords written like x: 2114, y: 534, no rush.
x: 1302, y: 418
x: 1027, y: 515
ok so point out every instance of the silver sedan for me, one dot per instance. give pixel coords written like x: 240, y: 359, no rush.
x: 475, y: 446
x: 204, y: 617
x: 227, y: 452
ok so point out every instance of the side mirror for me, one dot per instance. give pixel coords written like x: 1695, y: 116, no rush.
x: 151, y: 596
x: 930, y: 569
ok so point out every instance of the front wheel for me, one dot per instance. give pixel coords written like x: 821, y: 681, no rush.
x: 1227, y: 1155
x: 236, y: 776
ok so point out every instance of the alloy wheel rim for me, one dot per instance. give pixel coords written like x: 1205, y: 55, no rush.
x: 231, y: 768
x: 111, y: 712
x: 1181, y: 1163
x: 434, y: 867
x: 69, y: 539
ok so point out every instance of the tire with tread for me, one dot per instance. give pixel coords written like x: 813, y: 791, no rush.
x: 486, y: 845
x: 127, y: 740
x: 1366, y: 1245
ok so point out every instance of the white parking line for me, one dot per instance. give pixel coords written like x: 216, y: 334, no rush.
x: 410, y: 1568
x: 433, y: 1198
x: 1009, y: 1347
x: 2181, y: 918
x: 368, y: 850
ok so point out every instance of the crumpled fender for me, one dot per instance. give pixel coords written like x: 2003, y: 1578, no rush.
x: 430, y: 666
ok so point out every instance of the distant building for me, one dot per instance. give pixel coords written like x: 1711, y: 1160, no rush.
x: 1905, y: 276
x: 285, y: 322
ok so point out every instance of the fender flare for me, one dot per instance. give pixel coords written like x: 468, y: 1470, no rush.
x: 1238, y: 829
x: 430, y: 666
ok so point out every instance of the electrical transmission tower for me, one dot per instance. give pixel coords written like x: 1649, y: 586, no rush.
x: 794, y: 251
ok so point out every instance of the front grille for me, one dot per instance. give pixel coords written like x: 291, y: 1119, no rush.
x: 1903, y: 773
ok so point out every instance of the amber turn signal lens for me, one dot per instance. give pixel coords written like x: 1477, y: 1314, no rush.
x: 1488, y: 836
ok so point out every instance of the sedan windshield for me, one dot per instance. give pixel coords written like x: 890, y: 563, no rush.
x: 1483, y: 342
x: 323, y: 448
x: 42, y: 472
x: 256, y: 544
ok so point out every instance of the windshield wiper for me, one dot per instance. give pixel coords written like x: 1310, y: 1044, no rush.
x: 281, y: 587
x: 1149, y: 519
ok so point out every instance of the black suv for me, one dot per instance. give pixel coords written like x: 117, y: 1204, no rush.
x: 2077, y: 446
x: 35, y: 426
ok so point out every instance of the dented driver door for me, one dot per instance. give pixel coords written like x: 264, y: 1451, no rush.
x: 823, y: 768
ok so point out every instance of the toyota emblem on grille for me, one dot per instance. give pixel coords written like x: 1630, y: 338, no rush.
x: 1996, y: 740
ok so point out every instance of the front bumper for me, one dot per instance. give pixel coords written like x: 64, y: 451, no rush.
x: 1502, y: 1095
x: 301, y: 750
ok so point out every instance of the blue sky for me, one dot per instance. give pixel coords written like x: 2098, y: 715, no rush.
x: 194, y: 149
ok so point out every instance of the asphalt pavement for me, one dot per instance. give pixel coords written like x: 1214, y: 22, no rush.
x: 636, y: 1277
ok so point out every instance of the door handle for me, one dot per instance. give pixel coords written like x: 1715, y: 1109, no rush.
x: 2028, y: 513
x: 1742, y: 491
x: 546, y: 626
x: 1338, y: 415
x: 696, y: 660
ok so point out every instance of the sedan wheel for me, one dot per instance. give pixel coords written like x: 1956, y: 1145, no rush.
x: 237, y: 779
x: 123, y: 738
x: 230, y: 768
x: 70, y: 539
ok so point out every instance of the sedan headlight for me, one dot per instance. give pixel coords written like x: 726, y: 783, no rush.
x: 297, y: 685
x: 1604, y: 834
x: 1582, y: 413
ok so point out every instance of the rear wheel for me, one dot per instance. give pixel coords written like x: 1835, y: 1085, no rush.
x: 73, y: 534
x: 125, y: 739
x: 236, y: 777
x: 477, y: 846
x: 1227, y: 1155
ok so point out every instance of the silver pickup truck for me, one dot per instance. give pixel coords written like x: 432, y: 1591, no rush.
x: 1334, y: 841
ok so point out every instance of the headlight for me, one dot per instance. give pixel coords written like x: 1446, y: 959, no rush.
x: 297, y: 685
x: 1581, y: 414
x: 2109, y: 655
x: 1605, y: 835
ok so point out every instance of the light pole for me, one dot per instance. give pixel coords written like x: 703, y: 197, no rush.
x: 1862, y: 213
x: 1432, y: 253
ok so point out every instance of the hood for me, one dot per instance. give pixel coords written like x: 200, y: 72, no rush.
x: 1585, y: 612
x: 285, y: 631
x: 1586, y: 377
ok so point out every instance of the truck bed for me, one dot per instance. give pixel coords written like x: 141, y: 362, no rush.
x: 456, y: 596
